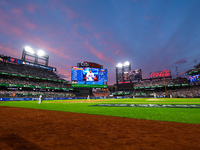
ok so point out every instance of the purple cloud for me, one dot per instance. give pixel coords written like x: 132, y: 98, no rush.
x: 181, y: 61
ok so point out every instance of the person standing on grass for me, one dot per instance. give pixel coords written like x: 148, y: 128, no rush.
x: 40, y: 99
x: 154, y: 95
x: 88, y: 98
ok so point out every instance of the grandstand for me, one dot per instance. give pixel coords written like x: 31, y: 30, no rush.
x: 103, y: 93
x: 19, y: 80
x: 167, y: 87
x: 163, y: 85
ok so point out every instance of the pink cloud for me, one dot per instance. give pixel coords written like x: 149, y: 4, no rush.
x: 64, y: 70
x: 147, y: 18
x: 40, y: 43
x: 2, y: 2
x: 17, y: 10
x: 10, y: 28
x: 17, y: 33
x: 117, y: 52
x: 29, y: 25
x: 97, y: 35
x: 8, y: 50
x: 181, y: 61
x: 7, y: 27
x: 70, y: 14
x: 31, y: 8
x: 87, y: 26
x: 98, y: 54
x: 181, y: 74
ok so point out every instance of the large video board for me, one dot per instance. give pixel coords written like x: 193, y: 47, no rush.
x: 129, y: 76
x: 194, y: 78
x: 89, y: 77
x: 135, y: 74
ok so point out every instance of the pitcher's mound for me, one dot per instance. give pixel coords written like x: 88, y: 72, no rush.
x: 154, y: 99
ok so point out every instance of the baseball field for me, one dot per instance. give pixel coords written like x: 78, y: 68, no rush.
x: 140, y: 123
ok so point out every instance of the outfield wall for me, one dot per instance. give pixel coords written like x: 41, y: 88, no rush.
x: 66, y: 98
x: 54, y: 98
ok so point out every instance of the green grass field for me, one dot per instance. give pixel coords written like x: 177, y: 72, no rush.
x: 183, y: 115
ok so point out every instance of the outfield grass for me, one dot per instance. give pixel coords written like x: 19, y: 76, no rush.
x: 183, y: 115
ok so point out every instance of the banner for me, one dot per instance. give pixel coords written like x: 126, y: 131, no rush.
x: 171, y: 85
x: 89, y: 85
x: 14, y: 60
x: 33, y: 86
x: 19, y: 75
x: 89, y: 64
x: 121, y: 93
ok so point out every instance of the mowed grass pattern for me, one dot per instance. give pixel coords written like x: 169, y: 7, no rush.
x: 183, y: 115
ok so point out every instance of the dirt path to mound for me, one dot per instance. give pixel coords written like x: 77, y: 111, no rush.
x: 22, y: 128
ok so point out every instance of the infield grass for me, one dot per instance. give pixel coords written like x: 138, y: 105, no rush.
x: 183, y: 115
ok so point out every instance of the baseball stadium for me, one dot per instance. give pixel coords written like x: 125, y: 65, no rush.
x: 41, y: 110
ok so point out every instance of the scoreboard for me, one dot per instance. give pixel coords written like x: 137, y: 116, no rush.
x: 89, y: 77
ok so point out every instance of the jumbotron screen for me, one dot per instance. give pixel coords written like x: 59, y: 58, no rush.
x: 89, y: 77
x: 135, y: 74
x: 194, y: 78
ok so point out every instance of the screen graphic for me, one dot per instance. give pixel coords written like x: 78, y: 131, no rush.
x: 89, y: 77
x: 14, y: 60
x: 135, y: 74
x: 194, y: 78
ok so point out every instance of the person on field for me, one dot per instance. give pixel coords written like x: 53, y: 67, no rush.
x: 88, y: 98
x: 40, y: 99
x: 154, y: 95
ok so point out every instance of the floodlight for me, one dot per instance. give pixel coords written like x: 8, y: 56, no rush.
x: 40, y: 53
x: 29, y: 49
x: 119, y: 65
x: 126, y: 63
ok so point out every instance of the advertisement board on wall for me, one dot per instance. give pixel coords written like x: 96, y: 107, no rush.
x: 160, y: 74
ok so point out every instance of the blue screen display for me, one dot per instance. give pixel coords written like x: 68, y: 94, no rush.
x: 194, y: 78
x: 14, y: 60
x: 89, y: 76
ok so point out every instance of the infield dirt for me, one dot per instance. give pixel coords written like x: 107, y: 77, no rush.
x: 22, y: 128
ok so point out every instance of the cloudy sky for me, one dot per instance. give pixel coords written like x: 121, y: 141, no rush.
x: 152, y: 34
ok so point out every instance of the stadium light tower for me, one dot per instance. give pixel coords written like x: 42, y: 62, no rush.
x: 126, y: 63
x: 36, y: 55
x: 119, y: 65
x: 122, y: 70
x: 29, y: 49
x: 40, y: 53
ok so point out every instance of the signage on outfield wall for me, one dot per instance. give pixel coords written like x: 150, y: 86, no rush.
x: 171, y: 85
x: 52, y: 98
x: 121, y: 93
x: 160, y: 74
